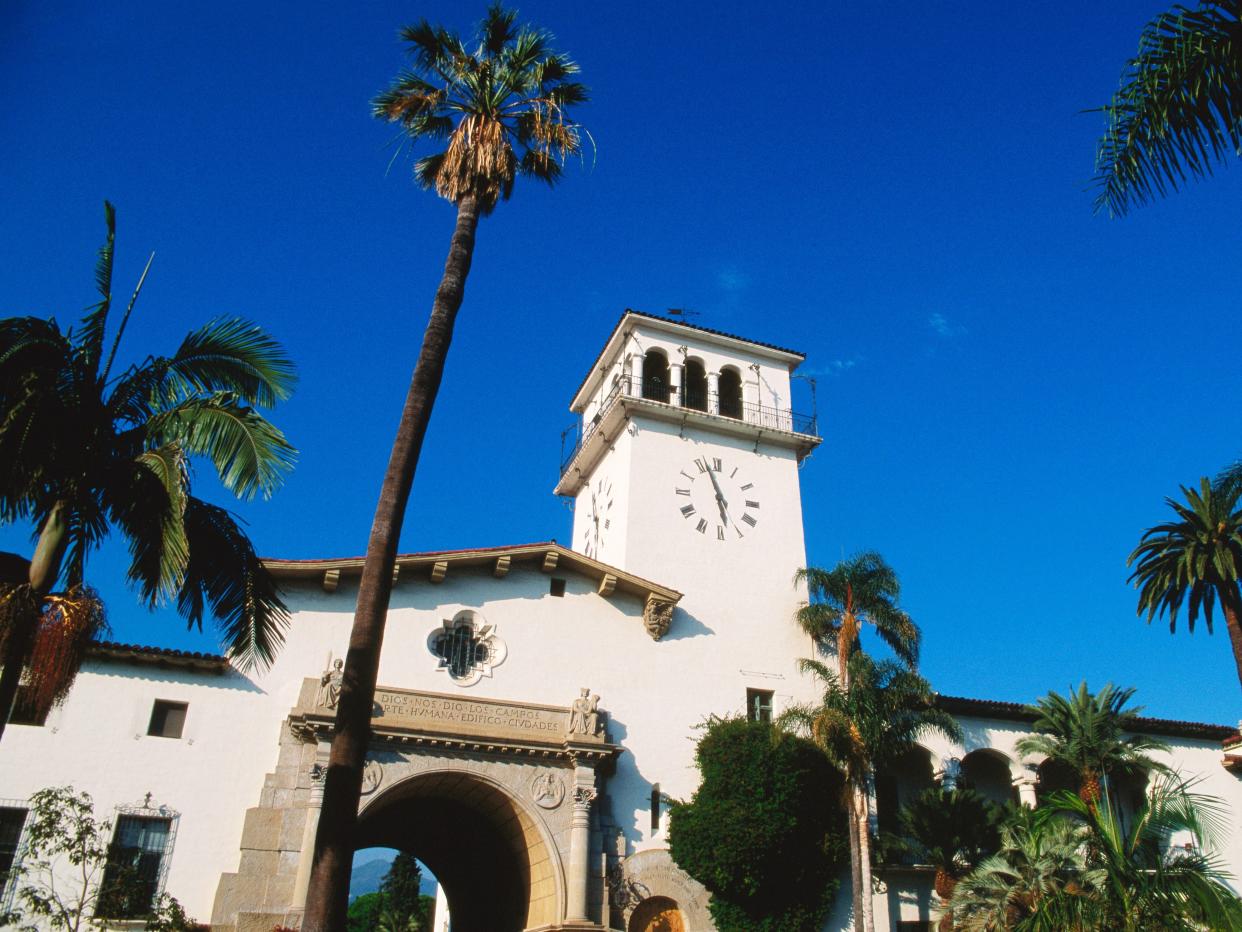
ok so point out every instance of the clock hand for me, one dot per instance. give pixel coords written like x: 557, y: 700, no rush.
x: 720, y: 499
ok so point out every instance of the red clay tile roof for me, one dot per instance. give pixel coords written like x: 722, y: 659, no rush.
x: 1016, y: 711
x: 161, y: 656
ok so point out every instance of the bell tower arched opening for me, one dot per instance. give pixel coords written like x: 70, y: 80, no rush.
x: 655, y: 375
x: 730, y: 388
x: 497, y: 871
x: 695, y: 388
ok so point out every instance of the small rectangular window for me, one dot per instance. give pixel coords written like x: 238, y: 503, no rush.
x: 558, y: 587
x: 655, y: 808
x: 167, y: 719
x: 12, y: 820
x: 135, y: 868
x: 759, y: 705
x: 23, y: 712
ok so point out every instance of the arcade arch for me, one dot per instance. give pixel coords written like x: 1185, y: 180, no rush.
x: 988, y: 772
x: 498, y: 871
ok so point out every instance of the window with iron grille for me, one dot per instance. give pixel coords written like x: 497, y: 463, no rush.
x: 137, y: 864
x: 759, y: 705
x: 12, y: 821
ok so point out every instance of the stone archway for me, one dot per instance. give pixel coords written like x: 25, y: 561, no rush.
x: 657, y: 914
x: 498, y: 871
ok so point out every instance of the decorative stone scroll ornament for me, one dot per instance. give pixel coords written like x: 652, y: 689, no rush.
x: 547, y: 790
x: 467, y: 647
x: 372, y: 776
x: 657, y: 616
x: 585, y: 718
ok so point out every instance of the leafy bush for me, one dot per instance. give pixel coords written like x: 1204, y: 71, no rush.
x: 764, y: 832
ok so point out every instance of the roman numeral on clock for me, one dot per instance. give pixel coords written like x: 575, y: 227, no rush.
x: 687, y: 510
x: 719, y: 532
x: 683, y: 491
x: 749, y: 520
x: 701, y: 527
x: 750, y: 504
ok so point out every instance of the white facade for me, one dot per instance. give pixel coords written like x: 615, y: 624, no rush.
x: 242, y: 775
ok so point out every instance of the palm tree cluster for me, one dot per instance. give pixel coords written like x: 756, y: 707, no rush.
x: 1085, y: 867
x: 87, y: 447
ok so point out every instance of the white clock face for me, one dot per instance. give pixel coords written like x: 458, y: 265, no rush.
x: 599, y: 516
x: 716, y: 500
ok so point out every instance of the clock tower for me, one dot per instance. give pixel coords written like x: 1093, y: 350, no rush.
x: 686, y: 473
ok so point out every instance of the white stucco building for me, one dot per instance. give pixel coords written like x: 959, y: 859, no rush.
x: 536, y: 701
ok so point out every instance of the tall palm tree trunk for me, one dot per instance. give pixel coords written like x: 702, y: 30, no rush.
x: 856, y: 887
x: 861, y: 820
x: 328, y: 895
x: 41, y: 574
x: 845, y: 639
x: 1233, y: 622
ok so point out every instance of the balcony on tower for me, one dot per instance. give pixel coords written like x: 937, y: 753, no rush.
x: 688, y: 375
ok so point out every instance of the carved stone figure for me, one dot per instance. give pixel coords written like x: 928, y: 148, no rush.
x: 547, y: 790
x: 657, y: 616
x: 593, y: 716
x: 330, y: 684
x: 579, y: 711
x: 372, y: 774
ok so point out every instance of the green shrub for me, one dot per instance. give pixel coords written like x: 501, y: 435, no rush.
x: 764, y: 832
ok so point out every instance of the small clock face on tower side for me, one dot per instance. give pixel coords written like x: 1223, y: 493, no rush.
x: 716, y: 499
x: 599, y: 518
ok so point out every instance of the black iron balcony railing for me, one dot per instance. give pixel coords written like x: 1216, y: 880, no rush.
x: 723, y: 405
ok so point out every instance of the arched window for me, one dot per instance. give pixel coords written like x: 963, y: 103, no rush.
x: 695, y: 385
x: 987, y: 772
x: 730, y: 388
x: 1054, y: 776
x: 655, y: 376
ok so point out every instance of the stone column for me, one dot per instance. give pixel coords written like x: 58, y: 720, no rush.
x: 674, y: 384
x: 579, y: 854
x: 950, y: 772
x: 636, y: 375
x: 306, y: 857
x: 1026, y: 782
x: 713, y: 393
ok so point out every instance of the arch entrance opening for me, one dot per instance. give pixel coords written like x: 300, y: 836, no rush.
x: 483, y: 847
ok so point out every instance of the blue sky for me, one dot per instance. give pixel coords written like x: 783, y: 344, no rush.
x: 1008, y: 385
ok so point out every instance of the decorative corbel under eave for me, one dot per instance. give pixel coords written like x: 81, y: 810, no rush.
x: 657, y: 616
x: 607, y: 584
x: 331, y: 579
x: 550, y: 560
x: 438, y: 571
x: 502, y: 567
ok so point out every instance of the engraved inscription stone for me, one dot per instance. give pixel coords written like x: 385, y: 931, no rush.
x: 432, y: 712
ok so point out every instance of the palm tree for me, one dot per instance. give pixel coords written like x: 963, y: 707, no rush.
x: 501, y: 105
x: 1195, y: 559
x: 84, y: 450
x: 1087, y: 733
x: 1080, y: 866
x: 1147, y: 881
x: 870, y: 723
x: 1041, y: 862
x: 952, y: 830
x: 1179, y: 107
x: 862, y: 590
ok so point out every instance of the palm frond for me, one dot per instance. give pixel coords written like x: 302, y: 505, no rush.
x: 91, y: 336
x: 146, y: 499
x: 250, y: 454
x: 1178, y: 110
x: 225, y: 573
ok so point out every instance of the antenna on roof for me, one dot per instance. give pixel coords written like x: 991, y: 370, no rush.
x: 681, y: 312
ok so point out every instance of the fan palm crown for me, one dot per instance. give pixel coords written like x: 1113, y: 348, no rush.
x: 1088, y: 733
x: 861, y: 590
x: 501, y: 106
x: 1179, y: 108
x: 1195, y: 560
x: 85, y: 449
